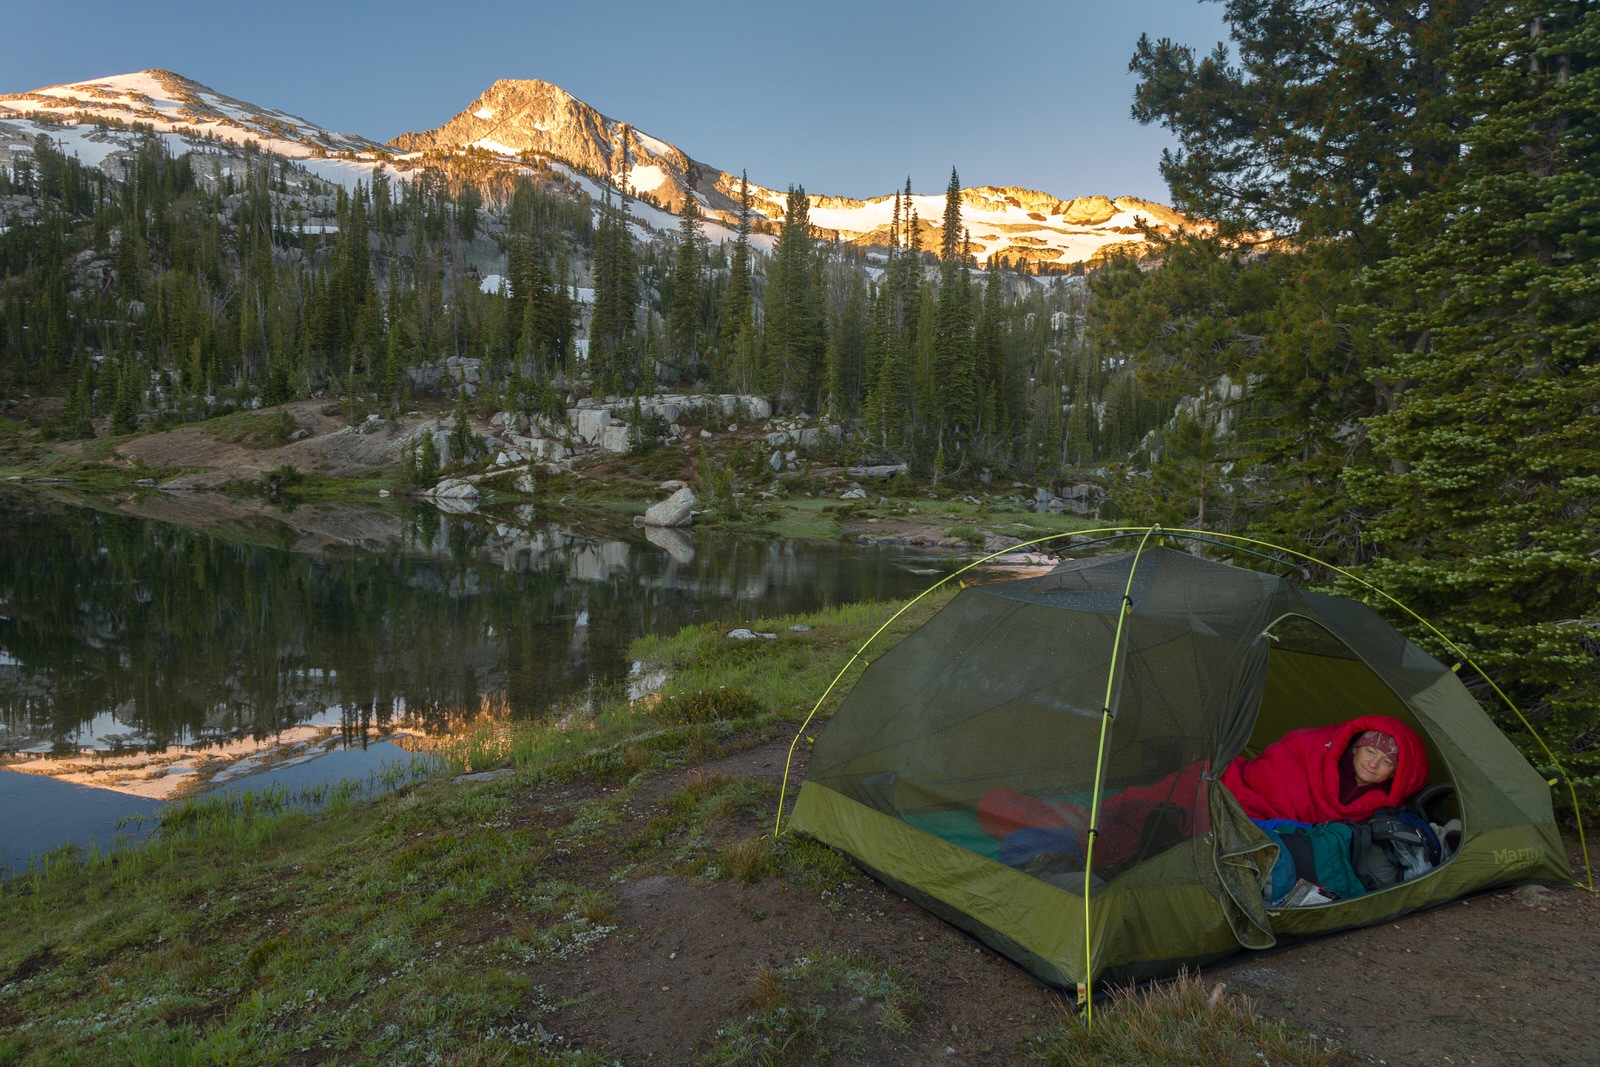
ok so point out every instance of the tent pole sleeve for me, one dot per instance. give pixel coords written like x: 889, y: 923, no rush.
x: 1106, y: 715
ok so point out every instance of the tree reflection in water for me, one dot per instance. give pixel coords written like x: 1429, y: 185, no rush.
x: 122, y: 632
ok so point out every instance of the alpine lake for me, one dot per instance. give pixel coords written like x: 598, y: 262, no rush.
x: 145, y: 660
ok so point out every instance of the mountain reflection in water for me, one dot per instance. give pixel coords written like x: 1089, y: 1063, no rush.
x: 149, y: 655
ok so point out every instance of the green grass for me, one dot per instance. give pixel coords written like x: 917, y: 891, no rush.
x: 969, y: 534
x: 828, y: 1009
x: 252, y: 429
x: 809, y: 517
x: 822, y: 517
x: 788, y: 673
x: 1184, y: 1020
x: 283, y: 927
x: 248, y: 935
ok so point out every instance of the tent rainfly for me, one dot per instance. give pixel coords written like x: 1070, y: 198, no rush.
x: 1123, y: 672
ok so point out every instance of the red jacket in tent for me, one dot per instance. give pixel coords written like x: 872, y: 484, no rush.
x: 1124, y: 816
x: 1297, y: 776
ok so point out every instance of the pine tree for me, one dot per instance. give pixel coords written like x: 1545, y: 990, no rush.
x: 468, y: 201
x: 737, y: 300
x: 888, y: 407
x: 538, y: 326
x: 684, y: 315
x: 1331, y: 112
x: 1420, y: 348
x: 566, y: 308
x: 1328, y: 119
x: 125, y: 411
x: 993, y: 410
x: 464, y: 443
x: 951, y: 248
x: 847, y: 355
x: 427, y: 471
x: 794, y: 328
x: 893, y: 408
x: 953, y: 399
x: 616, y: 289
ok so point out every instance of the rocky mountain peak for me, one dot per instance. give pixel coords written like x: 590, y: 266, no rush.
x: 515, y: 116
x: 169, y: 102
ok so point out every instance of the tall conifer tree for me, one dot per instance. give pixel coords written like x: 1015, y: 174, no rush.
x: 794, y: 327
x: 684, y: 315
x: 616, y: 289
x: 737, y: 300
x: 1421, y: 348
x: 952, y: 388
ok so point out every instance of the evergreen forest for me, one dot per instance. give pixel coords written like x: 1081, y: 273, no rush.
x: 1381, y: 352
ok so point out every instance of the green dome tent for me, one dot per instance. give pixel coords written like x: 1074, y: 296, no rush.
x: 1126, y: 672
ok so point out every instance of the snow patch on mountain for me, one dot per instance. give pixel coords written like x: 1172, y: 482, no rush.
x: 646, y: 179
x: 171, y: 103
x: 654, y: 145
x: 490, y: 145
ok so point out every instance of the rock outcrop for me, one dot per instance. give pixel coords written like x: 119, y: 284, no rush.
x: 676, y: 510
x: 534, y: 116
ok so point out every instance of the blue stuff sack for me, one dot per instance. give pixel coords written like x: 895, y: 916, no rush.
x: 1042, y: 850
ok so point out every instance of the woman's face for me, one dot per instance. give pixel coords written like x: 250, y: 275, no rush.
x: 1373, y: 766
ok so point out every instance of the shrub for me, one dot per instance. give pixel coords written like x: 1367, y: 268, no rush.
x: 281, y: 478
x: 709, y: 705
x: 749, y: 858
x: 967, y: 533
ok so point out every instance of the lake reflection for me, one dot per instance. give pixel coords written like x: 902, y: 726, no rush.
x: 123, y: 634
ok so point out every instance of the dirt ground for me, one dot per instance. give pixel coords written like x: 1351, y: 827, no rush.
x: 1507, y: 978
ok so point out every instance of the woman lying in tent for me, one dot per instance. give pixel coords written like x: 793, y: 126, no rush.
x: 1340, y: 773
x: 1307, y: 789
x: 1316, y: 792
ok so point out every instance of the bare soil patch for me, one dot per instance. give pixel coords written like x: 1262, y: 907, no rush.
x: 1508, y: 978
x: 332, y: 448
x: 686, y: 954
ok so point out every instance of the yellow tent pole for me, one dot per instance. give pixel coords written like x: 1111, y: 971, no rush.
x: 1086, y: 987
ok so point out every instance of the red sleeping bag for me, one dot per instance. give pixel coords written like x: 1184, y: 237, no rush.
x: 1297, y: 776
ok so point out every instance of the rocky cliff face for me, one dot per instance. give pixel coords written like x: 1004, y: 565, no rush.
x: 535, y: 116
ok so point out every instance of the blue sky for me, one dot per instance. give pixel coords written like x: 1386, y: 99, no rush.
x: 847, y: 99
